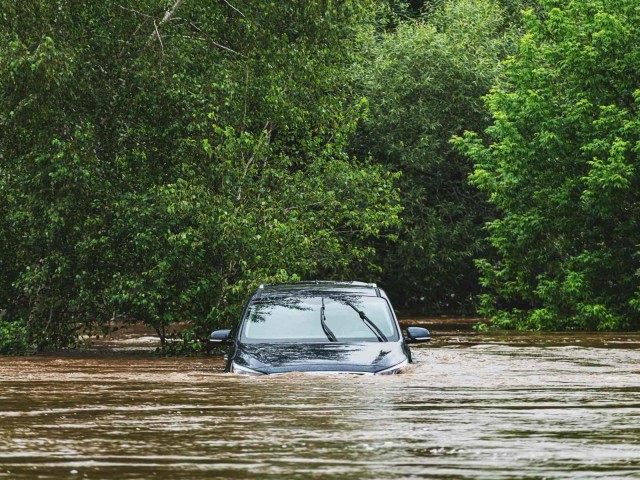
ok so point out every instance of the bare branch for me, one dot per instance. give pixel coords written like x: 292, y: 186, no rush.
x: 243, y: 15
x: 135, y: 32
x: 167, y: 16
x: 170, y: 13
x: 226, y: 48
x: 159, y: 37
x: 207, y: 39
x: 246, y: 92
x: 137, y: 12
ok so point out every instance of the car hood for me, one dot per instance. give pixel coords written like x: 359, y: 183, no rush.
x: 366, y: 357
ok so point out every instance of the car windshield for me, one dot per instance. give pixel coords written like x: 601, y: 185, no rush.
x: 299, y: 318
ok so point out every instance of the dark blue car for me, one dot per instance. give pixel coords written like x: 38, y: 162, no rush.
x: 340, y: 327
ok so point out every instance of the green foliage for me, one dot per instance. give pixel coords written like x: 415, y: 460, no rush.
x: 424, y: 82
x: 481, y: 327
x: 562, y: 170
x: 14, y: 338
x: 408, y: 9
x: 160, y: 159
x: 158, y: 170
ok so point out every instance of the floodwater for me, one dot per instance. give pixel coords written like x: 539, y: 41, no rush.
x: 472, y: 406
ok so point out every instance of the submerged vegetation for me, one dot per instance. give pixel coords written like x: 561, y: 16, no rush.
x: 160, y: 159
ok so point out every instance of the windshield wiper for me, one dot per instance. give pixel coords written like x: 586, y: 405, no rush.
x: 367, y: 321
x: 327, y: 331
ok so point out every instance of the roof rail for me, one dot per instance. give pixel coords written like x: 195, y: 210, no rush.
x: 320, y: 282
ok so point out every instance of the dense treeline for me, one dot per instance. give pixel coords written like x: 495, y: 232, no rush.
x: 424, y: 81
x: 159, y: 159
x: 561, y: 168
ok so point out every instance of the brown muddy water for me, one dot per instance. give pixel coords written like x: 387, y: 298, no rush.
x: 472, y: 406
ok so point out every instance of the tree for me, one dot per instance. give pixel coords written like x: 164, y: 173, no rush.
x: 561, y: 168
x: 424, y: 82
x: 159, y: 160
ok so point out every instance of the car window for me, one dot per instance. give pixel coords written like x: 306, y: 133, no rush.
x: 299, y: 318
x: 344, y: 320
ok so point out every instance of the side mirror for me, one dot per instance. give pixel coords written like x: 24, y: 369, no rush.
x: 220, y: 336
x: 418, y: 334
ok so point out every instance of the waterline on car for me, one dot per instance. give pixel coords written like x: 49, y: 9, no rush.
x: 328, y: 327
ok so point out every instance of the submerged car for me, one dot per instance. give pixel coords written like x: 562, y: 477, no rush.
x: 338, y: 327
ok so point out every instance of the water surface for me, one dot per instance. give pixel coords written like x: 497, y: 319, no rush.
x: 492, y: 406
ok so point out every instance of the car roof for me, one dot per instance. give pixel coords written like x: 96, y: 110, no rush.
x: 319, y: 286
